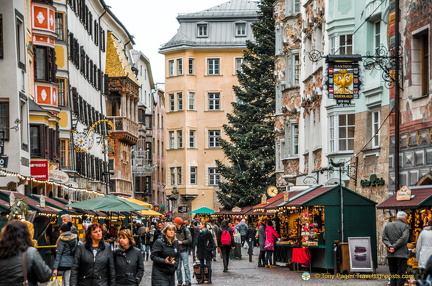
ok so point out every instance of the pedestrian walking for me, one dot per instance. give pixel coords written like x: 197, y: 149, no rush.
x: 250, y: 239
x: 395, y: 237
x: 242, y: 229
x: 261, y: 242
x: 16, y: 244
x: 184, y: 239
x: 145, y: 236
x: 214, y: 229
x: 271, y: 235
x: 158, y: 231
x: 128, y: 261
x: 67, y: 218
x: 194, y: 233
x: 164, y: 254
x: 205, y: 247
x: 66, y: 246
x: 225, y: 243
x: 93, y: 260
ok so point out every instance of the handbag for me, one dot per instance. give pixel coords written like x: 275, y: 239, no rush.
x: 53, y: 281
x: 24, y: 266
x: 269, y: 245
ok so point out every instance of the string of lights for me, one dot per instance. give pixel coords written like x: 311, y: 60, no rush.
x: 34, y: 180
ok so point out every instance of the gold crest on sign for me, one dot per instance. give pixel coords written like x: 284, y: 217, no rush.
x: 343, y: 80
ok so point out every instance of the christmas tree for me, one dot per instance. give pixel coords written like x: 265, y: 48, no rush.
x: 249, y: 147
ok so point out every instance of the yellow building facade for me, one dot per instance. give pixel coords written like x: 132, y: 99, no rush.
x: 201, y: 63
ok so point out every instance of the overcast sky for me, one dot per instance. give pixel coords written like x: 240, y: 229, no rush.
x: 153, y: 23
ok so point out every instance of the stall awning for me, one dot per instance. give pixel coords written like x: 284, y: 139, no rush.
x: 141, y: 203
x: 308, y: 195
x: 269, y: 201
x: 327, y: 196
x: 296, y: 194
x: 56, y: 204
x: 421, y: 196
x: 220, y: 212
x: 93, y: 213
x: 34, y: 205
x: 242, y: 211
x: 4, y: 206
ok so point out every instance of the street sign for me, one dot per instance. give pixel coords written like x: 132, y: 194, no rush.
x: 4, y: 162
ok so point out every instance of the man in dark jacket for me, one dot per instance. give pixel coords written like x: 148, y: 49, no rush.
x: 184, y: 239
x: 395, y: 236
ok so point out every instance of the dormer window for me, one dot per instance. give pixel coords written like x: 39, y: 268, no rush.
x: 202, y: 30
x: 240, y: 29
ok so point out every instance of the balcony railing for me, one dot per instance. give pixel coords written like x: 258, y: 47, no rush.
x: 124, y: 125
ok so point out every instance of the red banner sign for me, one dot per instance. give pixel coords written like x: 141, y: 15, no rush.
x: 39, y: 169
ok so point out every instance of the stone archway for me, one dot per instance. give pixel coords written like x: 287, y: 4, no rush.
x: 425, y: 180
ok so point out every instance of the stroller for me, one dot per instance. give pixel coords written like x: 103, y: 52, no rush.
x: 197, y: 271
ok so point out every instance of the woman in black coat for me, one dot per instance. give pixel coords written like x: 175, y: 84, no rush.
x: 93, y: 261
x: 205, y: 247
x: 15, y: 239
x: 128, y: 261
x: 164, y: 254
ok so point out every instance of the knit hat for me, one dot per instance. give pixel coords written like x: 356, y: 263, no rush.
x: 178, y: 220
x: 66, y: 227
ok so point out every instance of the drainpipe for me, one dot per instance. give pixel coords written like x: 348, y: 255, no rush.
x: 397, y: 97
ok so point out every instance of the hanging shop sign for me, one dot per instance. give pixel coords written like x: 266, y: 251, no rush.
x: 343, y: 78
x: 58, y: 176
x: 373, y: 181
x: 39, y: 169
x: 182, y: 209
x: 404, y: 194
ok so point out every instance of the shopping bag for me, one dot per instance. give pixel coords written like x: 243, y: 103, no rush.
x: 54, y: 281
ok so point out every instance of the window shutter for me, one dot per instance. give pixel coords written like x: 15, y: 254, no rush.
x: 279, y: 40
x: 289, y: 8
x: 289, y: 72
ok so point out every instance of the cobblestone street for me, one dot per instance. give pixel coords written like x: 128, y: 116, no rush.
x: 243, y: 272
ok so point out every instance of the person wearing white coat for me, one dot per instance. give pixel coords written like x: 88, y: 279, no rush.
x: 424, y: 246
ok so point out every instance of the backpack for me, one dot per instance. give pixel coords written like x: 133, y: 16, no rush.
x: 226, y: 238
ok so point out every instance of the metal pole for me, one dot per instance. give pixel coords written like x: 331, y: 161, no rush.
x: 341, y: 204
x: 397, y: 95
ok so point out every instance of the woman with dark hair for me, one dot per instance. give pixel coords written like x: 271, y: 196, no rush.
x: 128, y: 260
x: 205, y: 247
x: 15, y: 243
x: 225, y: 240
x: 271, y: 235
x: 164, y: 254
x: 93, y: 261
x: 66, y: 246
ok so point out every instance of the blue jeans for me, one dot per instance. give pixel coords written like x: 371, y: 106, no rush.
x: 183, y: 259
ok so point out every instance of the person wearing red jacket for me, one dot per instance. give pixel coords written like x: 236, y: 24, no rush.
x: 271, y: 235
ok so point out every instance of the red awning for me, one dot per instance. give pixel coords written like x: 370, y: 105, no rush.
x: 269, y: 201
x: 220, y: 212
x: 56, y: 204
x: 33, y: 204
x: 242, y: 211
x: 420, y: 197
x: 308, y: 196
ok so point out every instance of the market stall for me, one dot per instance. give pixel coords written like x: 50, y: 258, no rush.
x: 318, y: 216
x: 416, y: 202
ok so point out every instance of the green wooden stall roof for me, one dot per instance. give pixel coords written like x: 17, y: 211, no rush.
x: 359, y: 216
